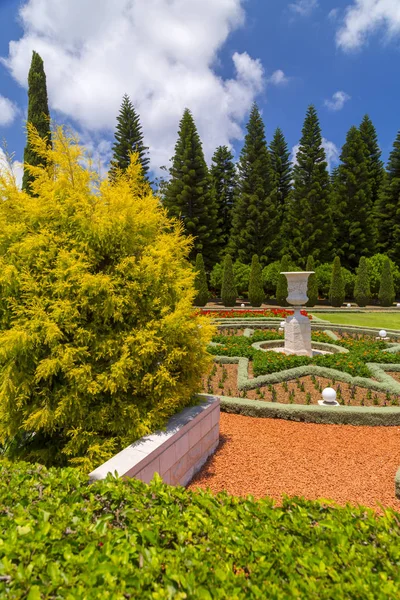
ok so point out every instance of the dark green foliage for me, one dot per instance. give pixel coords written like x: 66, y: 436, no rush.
x: 312, y: 285
x: 188, y: 195
x: 271, y: 275
x: 386, y: 291
x: 281, y: 169
x: 352, y: 201
x: 336, y: 291
x: 376, y: 171
x: 200, y: 283
x: 255, y: 216
x: 388, y: 213
x: 128, y: 139
x: 38, y: 115
x: 121, y: 538
x: 362, y: 291
x: 223, y: 175
x: 375, y: 267
x: 228, y: 290
x: 282, y: 285
x: 307, y: 229
x: 241, y: 273
x: 256, y: 290
x: 324, y: 277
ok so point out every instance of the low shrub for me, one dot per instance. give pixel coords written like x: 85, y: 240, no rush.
x: 118, y: 539
x: 200, y: 283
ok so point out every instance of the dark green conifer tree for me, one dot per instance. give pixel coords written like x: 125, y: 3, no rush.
x: 200, y: 283
x: 255, y: 215
x: 128, y: 138
x: 282, y: 291
x: 38, y: 115
x: 336, y: 290
x: 223, y: 174
x: 312, y: 284
x: 228, y: 289
x: 281, y: 169
x: 386, y: 291
x: 388, y: 207
x: 352, y: 201
x: 256, y: 289
x: 376, y: 171
x: 188, y: 195
x: 362, y: 290
x: 307, y: 228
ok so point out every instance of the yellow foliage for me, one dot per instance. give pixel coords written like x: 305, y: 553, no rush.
x: 99, y: 344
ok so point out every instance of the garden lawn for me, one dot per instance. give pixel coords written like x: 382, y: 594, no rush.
x: 380, y: 320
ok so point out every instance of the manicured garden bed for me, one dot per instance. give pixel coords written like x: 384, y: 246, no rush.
x: 121, y: 539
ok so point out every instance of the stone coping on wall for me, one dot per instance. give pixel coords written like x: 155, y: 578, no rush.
x: 176, y: 453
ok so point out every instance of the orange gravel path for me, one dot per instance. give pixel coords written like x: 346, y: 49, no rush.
x: 272, y: 457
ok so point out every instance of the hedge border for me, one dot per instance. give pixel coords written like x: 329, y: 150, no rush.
x: 316, y: 346
x: 338, y: 415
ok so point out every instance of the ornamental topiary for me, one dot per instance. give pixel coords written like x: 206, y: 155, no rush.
x: 228, y: 290
x: 386, y: 290
x: 362, y: 291
x: 256, y: 290
x: 98, y: 341
x: 282, y: 285
x: 336, y: 291
x: 312, y: 284
x: 200, y: 282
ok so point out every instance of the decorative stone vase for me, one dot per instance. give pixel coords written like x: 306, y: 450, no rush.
x: 298, y: 327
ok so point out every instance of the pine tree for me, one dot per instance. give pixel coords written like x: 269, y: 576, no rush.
x: 312, y: 284
x: 38, y: 116
x: 388, y: 207
x: 281, y: 169
x: 336, y: 290
x: 362, y: 290
x: 188, y: 195
x: 376, y: 169
x: 352, y: 201
x: 282, y: 291
x: 128, y: 139
x: 386, y: 291
x: 256, y: 289
x: 200, y: 283
x: 307, y: 228
x: 255, y: 216
x: 228, y: 290
x: 223, y: 174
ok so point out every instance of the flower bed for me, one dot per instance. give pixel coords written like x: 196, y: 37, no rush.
x: 277, y: 313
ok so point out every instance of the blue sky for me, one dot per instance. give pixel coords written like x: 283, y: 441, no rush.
x: 214, y: 56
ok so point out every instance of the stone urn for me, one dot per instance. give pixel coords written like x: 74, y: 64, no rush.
x: 298, y: 327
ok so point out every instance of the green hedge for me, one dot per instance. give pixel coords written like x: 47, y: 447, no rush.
x: 116, y: 539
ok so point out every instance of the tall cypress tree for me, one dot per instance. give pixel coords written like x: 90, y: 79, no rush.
x: 312, y: 284
x: 388, y: 207
x: 336, y: 290
x: 352, y: 200
x: 128, y: 138
x: 281, y: 168
x: 255, y: 217
x: 223, y: 175
x: 256, y: 288
x: 376, y: 169
x: 386, y: 290
x: 188, y: 195
x: 308, y: 224
x: 362, y: 290
x: 282, y: 284
x: 38, y: 115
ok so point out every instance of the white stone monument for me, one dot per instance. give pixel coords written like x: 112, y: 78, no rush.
x: 298, y: 327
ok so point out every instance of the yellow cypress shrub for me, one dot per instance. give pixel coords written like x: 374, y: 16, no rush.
x: 99, y: 344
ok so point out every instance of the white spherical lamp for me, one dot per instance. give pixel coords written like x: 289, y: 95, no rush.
x: 349, y: 306
x: 329, y: 397
x: 242, y: 305
x: 398, y: 305
x: 382, y: 334
x: 283, y: 324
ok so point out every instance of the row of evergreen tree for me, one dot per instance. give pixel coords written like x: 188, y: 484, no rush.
x: 263, y: 204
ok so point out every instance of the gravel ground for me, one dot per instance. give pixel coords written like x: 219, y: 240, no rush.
x: 268, y: 457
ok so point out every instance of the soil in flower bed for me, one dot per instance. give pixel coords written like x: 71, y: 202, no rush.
x: 305, y: 390
x: 273, y: 457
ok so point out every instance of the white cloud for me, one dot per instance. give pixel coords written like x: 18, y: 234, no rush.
x: 8, y: 111
x: 333, y: 14
x: 278, y: 78
x: 364, y: 17
x: 331, y: 150
x: 303, y: 8
x: 160, y: 52
x: 338, y: 101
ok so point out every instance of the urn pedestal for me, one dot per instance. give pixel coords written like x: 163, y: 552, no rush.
x: 298, y: 327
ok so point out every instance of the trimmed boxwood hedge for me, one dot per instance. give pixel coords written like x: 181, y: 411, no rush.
x: 64, y: 539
